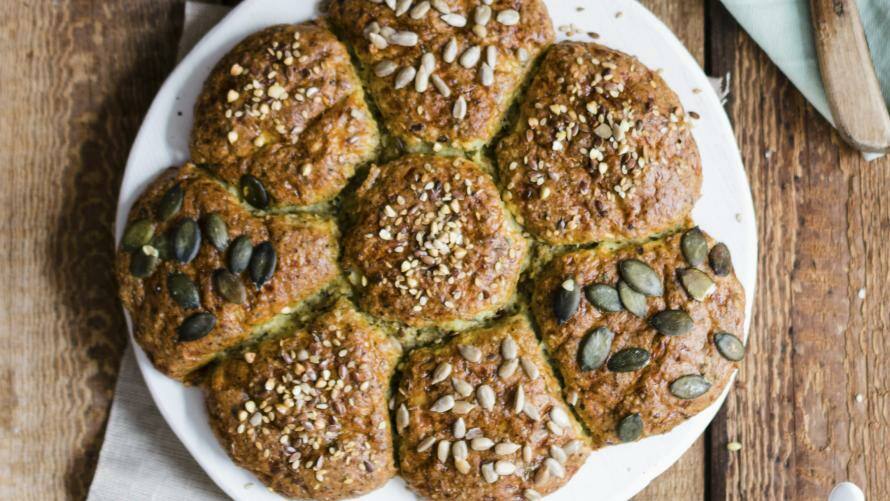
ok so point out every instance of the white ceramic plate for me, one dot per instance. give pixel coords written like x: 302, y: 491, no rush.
x: 725, y: 211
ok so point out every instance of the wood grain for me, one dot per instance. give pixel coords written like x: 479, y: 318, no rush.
x: 77, y: 76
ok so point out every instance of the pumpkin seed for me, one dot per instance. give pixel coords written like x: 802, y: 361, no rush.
x: 690, y: 387
x: 216, y: 231
x: 729, y: 346
x: 171, y: 202
x: 721, y: 260
x: 629, y: 360
x: 672, y: 322
x: 697, y: 283
x: 595, y: 349
x: 137, y: 234
x: 633, y: 300
x: 186, y: 241
x: 694, y: 247
x: 641, y: 277
x: 566, y: 300
x: 605, y: 297
x: 183, y: 291
x: 195, y: 327
x: 239, y: 254
x: 630, y: 428
x: 162, y: 245
x: 229, y: 286
x: 262, y: 263
x: 143, y: 265
x: 254, y: 192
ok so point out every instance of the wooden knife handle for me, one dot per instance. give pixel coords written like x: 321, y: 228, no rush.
x: 854, y: 93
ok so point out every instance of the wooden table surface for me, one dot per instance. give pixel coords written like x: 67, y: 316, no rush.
x: 811, y: 406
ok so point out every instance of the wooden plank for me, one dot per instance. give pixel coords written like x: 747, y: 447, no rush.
x: 815, y: 344
x: 77, y: 76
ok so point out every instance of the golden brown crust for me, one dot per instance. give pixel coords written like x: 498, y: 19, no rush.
x: 601, y: 150
x: 605, y: 397
x: 286, y: 106
x: 432, y: 243
x: 306, y: 248
x: 326, y: 390
x: 423, y: 118
x: 435, y: 479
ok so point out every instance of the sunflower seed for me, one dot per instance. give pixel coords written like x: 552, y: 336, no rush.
x: 422, y: 80
x: 183, y: 291
x: 474, y: 433
x: 481, y: 444
x: 441, y: 86
x: 603, y: 131
x: 420, y: 10
x: 239, y: 254
x: 470, y: 57
x: 633, y: 300
x: 519, y: 399
x: 404, y: 38
x: 508, y: 368
x: 425, y: 444
x: 402, y: 418
x: 641, y: 277
x: 573, y: 447
x: 459, y: 450
x: 460, y: 108
x: 697, y: 283
x: 530, y: 369
x: 462, y: 466
x: 630, y: 428
x: 595, y: 349
x: 143, y: 264
x: 139, y: 233
x: 504, y: 468
x: 566, y: 299
x: 694, y: 247
x: 460, y: 428
x: 391, y: 4
x: 491, y: 56
x: 462, y: 407
x: 443, y: 450
x: 672, y: 322
x: 559, y: 416
x: 605, y: 297
x: 486, y: 75
x: 485, y: 396
x: 372, y: 27
x: 729, y: 346
x: 441, y: 373
x: 532, y: 495
x: 557, y: 453
x: 263, y: 263
x: 542, y: 475
x: 377, y: 40
x: 171, y: 202
x: 489, y: 474
x: 229, y: 287
x: 449, y: 53
x: 441, y: 6
x: 443, y: 404
x: 402, y: 7
x: 508, y: 17
x: 690, y: 387
x: 555, y: 468
x: 506, y: 448
x: 628, y: 360
x: 482, y: 15
x: 720, y: 260
x: 455, y: 20
x: 428, y: 62
x: 531, y: 411
x: 216, y: 231
x: 462, y: 387
x: 527, y: 453
x: 196, y: 327
x: 405, y: 76
x: 186, y: 241
x: 470, y: 353
x: 509, y: 348
x: 385, y: 68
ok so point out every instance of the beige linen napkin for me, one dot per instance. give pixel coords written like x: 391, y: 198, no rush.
x: 141, y: 458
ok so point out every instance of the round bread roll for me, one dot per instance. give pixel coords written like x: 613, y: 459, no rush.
x: 444, y: 73
x: 601, y: 151
x: 480, y: 417
x: 431, y: 243
x: 307, y: 413
x: 175, y: 268
x: 283, y: 117
x: 644, y: 336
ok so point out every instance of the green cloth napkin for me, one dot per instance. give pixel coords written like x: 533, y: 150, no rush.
x: 784, y: 30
